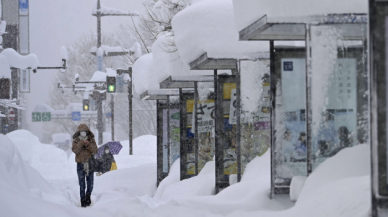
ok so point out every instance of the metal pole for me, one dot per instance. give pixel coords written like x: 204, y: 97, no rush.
x: 99, y: 117
x: 182, y: 138
x: 273, y: 115
x: 238, y: 117
x: 168, y: 133
x: 216, y: 151
x: 112, y: 108
x: 196, y: 126
x: 130, y: 112
x: 308, y: 112
x: 98, y: 24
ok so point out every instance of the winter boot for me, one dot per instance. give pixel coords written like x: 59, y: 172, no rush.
x: 83, y: 202
x: 87, y: 200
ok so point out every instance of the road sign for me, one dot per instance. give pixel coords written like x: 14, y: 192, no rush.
x: 76, y: 116
x: 5, y: 129
x: 36, y: 117
x: 23, y: 7
x: 120, y: 83
x: 109, y: 114
x: 46, y: 116
x: 11, y: 117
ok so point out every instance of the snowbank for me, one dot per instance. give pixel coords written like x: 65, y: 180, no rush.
x: 174, y: 176
x: 50, y: 161
x: 209, y: 26
x: 144, y: 152
x: 25, y: 193
x: 133, y: 182
x: 248, y: 11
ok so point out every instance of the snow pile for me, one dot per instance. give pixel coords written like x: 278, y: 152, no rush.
x: 209, y: 27
x: 249, y: 11
x: 21, y: 62
x: 144, y: 151
x: 174, y: 177
x: 24, y: 192
x: 50, y: 161
x: 133, y: 182
x: 296, y: 186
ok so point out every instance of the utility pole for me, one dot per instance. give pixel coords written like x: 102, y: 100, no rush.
x: 130, y: 111
x: 112, y: 107
x: 100, y: 55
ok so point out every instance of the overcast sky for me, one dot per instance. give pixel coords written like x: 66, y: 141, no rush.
x: 55, y: 23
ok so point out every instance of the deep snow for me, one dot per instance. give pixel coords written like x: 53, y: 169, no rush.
x: 338, y: 187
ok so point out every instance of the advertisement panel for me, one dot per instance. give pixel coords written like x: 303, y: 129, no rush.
x: 174, y: 138
x: 229, y: 152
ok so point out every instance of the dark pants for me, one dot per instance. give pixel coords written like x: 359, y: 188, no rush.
x: 81, y: 180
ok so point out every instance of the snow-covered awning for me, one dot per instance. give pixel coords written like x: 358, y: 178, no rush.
x: 209, y: 27
x: 158, y: 94
x: 274, y: 18
x: 184, y: 81
x: 353, y: 27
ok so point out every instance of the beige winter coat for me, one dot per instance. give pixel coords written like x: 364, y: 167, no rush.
x: 83, y: 150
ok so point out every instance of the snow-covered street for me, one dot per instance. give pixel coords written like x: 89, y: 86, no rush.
x: 194, y: 108
x: 131, y: 190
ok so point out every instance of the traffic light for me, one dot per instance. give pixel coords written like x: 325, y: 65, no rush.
x: 5, y: 88
x: 111, y: 84
x: 85, y: 105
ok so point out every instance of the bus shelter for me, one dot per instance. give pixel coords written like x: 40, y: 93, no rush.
x: 378, y: 50
x: 167, y: 129
x: 197, y: 143
x: 318, y: 99
x: 236, y: 140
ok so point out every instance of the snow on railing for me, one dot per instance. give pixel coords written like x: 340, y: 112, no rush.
x: 105, y: 11
x: 117, y: 49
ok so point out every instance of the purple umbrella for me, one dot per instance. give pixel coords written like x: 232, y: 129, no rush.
x: 114, y: 148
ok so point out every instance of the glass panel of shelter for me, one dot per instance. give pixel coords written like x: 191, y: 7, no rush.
x: 167, y: 154
x: 339, y: 105
x: 188, y: 163
x: 290, y: 152
x: 338, y: 95
x: 206, y: 122
x: 255, y: 110
x: 226, y: 153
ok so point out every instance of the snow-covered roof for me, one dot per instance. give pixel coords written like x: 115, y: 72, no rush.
x: 248, y: 11
x: 111, y: 72
x: 113, y: 11
x: 43, y: 107
x: 21, y: 62
x: 209, y: 27
x: 143, y: 75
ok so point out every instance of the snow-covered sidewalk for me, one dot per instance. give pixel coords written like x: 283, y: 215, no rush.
x: 339, y: 187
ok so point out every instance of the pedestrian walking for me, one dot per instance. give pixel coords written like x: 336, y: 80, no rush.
x: 84, y: 147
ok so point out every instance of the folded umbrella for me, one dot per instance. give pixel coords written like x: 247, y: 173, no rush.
x: 114, y: 148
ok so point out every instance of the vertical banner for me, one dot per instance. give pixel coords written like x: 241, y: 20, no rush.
x: 24, y: 83
x: 23, y: 7
x: 24, y: 27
